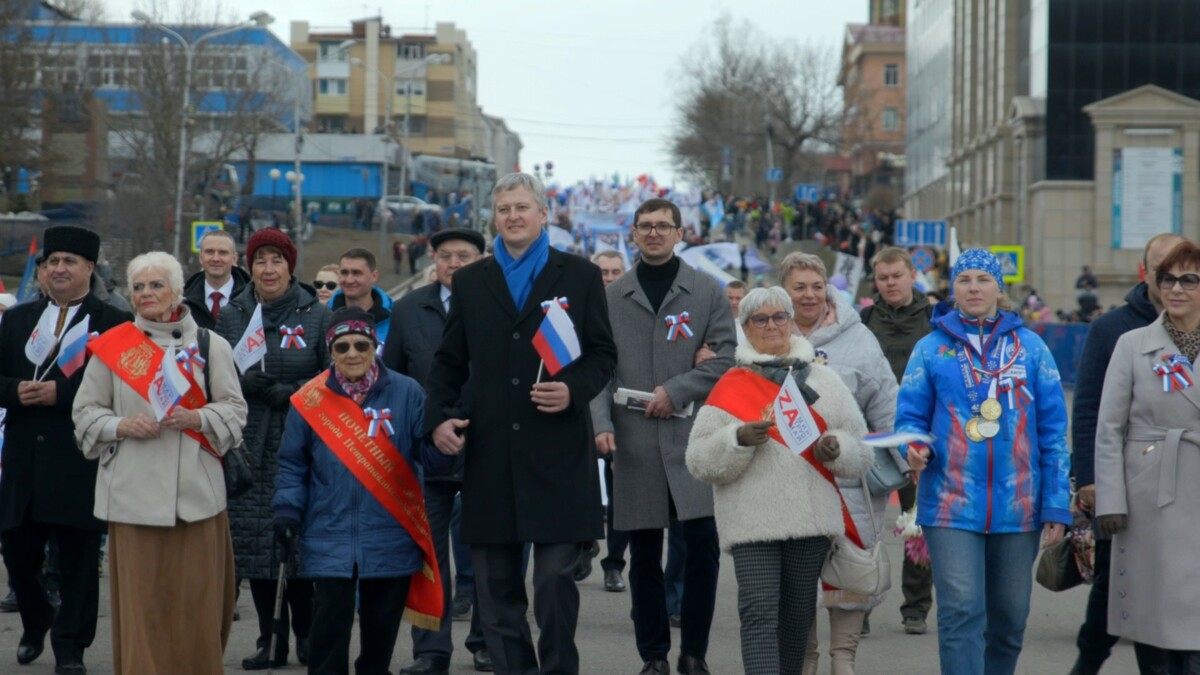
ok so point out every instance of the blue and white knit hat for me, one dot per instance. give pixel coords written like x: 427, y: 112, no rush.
x: 979, y: 259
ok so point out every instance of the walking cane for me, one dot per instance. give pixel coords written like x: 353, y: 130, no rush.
x: 278, y: 614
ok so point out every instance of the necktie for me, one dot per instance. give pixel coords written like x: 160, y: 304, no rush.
x: 216, y: 303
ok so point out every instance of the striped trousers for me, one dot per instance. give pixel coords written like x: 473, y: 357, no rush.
x: 777, y: 597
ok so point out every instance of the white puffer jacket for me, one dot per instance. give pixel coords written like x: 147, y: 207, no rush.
x: 764, y: 493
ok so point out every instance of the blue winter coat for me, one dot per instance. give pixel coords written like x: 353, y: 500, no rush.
x: 381, y: 311
x: 343, y: 525
x: 1017, y: 480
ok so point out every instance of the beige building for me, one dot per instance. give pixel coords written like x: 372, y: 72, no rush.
x: 367, y: 79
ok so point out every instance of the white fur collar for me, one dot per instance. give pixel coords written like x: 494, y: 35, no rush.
x: 800, y: 350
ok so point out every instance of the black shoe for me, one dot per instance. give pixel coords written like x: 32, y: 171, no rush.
x: 28, y: 649
x: 460, y: 608
x: 676, y: 620
x: 583, y: 567
x: 237, y: 615
x: 425, y: 666
x: 866, y: 627
x: 260, y: 661
x: 302, y: 651
x: 656, y: 667
x: 70, y: 668
x: 690, y: 665
x: 613, y: 583
x: 483, y: 660
x: 9, y: 603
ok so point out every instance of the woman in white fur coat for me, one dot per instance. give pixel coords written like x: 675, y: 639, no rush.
x: 776, y: 512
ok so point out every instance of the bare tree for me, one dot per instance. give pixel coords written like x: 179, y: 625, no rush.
x: 741, y: 90
x: 18, y: 73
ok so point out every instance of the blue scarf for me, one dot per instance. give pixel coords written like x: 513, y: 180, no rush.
x: 519, y: 273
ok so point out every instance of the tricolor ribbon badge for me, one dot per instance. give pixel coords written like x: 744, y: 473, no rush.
x: 1017, y: 391
x: 562, y: 302
x: 1175, y: 370
x: 188, y: 356
x: 677, y: 325
x: 293, y: 338
x: 379, y: 416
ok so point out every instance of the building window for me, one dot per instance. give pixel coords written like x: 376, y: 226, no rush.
x: 332, y: 86
x: 891, y: 75
x: 332, y: 51
x: 891, y: 119
x: 417, y: 87
x: 891, y: 9
x: 412, y: 50
x: 331, y: 124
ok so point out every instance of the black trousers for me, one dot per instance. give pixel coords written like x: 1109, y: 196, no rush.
x: 438, y: 645
x: 1094, y: 642
x: 916, y: 580
x: 1183, y: 663
x: 617, y: 540
x: 380, y: 608
x: 500, y: 589
x: 74, y: 627
x: 297, y: 597
x: 701, y: 567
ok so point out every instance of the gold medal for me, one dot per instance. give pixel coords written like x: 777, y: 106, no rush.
x: 988, y: 429
x: 991, y: 410
x: 972, y: 430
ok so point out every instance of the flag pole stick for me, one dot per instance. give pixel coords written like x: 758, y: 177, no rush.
x: 539, y: 375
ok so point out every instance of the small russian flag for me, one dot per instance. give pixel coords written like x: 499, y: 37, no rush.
x: 74, y: 347
x: 556, y: 341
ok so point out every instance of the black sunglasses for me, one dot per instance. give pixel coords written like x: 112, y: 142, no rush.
x: 331, y: 285
x: 360, y: 346
x: 1167, y: 281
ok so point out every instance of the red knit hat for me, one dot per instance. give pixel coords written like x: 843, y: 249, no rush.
x: 274, y: 237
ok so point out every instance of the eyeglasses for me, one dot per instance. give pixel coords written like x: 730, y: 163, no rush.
x: 657, y: 228
x: 1167, y: 281
x: 360, y: 346
x: 778, y: 318
x: 331, y: 285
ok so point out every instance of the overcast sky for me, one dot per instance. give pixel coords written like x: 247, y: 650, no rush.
x: 587, y: 85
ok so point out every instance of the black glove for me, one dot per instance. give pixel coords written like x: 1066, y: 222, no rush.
x: 255, y: 382
x: 1111, y: 524
x: 287, y: 531
x: 827, y: 449
x: 753, y: 434
x: 278, y: 396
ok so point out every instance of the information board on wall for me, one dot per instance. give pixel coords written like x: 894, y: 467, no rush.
x: 1147, y: 195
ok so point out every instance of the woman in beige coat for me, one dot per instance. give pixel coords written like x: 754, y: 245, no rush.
x: 171, y: 570
x: 1148, y: 471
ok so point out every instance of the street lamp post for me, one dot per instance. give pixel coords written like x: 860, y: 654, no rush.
x: 274, y: 174
x: 257, y: 19
x: 298, y: 203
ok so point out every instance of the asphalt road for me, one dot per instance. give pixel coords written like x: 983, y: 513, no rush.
x: 605, y: 635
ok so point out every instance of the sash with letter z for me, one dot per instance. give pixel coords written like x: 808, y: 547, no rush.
x: 382, y: 470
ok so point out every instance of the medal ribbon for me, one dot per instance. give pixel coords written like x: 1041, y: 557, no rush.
x: 677, y: 324
x: 1015, y: 388
x: 293, y: 338
x: 977, y: 387
x: 1174, y: 371
x: 379, y: 416
x: 188, y: 356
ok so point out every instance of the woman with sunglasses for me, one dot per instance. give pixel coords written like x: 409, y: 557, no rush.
x: 361, y: 512
x: 1148, y: 471
x: 326, y: 283
x: 776, y: 512
x: 995, y: 479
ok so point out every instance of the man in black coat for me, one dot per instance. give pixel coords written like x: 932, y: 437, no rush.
x: 209, y: 290
x: 530, y: 472
x: 1142, y: 306
x: 418, y: 320
x: 47, y: 487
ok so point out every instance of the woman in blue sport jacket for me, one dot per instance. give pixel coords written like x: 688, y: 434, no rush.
x: 996, y: 476
x: 348, y: 540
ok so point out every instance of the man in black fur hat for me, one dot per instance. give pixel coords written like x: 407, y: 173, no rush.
x: 47, y: 486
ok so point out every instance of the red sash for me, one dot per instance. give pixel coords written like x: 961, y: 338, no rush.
x: 378, y: 465
x: 135, y: 358
x: 751, y: 398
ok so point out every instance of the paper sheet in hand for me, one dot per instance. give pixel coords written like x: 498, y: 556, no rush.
x: 635, y: 400
x: 794, y: 419
x: 896, y: 439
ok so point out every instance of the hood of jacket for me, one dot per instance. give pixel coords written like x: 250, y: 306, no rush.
x: 946, y: 319
x: 1138, y: 300
x: 381, y: 309
x: 846, y: 319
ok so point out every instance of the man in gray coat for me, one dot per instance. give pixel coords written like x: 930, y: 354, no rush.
x: 661, y: 315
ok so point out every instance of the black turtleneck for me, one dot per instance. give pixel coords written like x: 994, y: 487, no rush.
x: 656, y: 280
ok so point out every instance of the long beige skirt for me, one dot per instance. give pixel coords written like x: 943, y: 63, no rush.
x: 172, y: 596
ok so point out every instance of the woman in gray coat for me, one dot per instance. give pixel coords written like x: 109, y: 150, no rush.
x: 1148, y: 471
x: 294, y: 325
